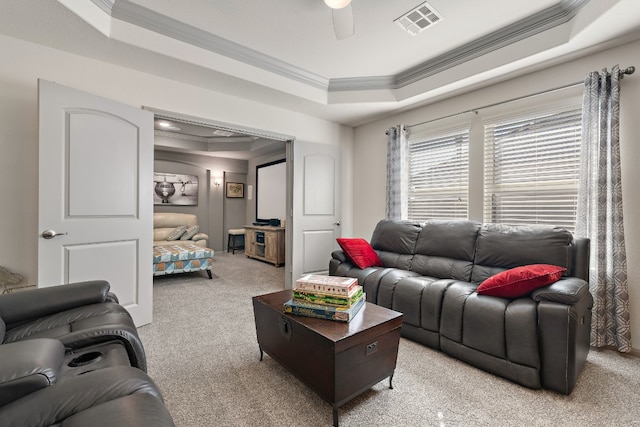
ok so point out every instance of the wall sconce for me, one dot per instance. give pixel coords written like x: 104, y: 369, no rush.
x: 337, y: 4
x: 216, y: 182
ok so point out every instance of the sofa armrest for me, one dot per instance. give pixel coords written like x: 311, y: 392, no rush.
x: 28, y: 366
x: 200, y: 236
x: 21, y: 306
x: 340, y: 256
x: 564, y: 339
x: 568, y: 290
x: 338, y: 263
x: 111, y: 297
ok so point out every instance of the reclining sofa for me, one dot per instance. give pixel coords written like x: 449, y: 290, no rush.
x: 71, y: 356
x: 430, y: 272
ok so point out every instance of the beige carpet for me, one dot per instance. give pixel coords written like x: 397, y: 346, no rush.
x: 202, y: 353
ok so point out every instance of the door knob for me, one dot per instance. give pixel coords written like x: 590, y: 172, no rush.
x: 50, y: 234
x: 337, y: 222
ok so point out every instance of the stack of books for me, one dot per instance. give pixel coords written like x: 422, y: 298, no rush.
x: 326, y: 297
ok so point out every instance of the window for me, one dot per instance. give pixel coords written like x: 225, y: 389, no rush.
x: 439, y: 176
x: 531, y: 168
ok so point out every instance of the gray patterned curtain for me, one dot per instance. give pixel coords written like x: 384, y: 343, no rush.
x: 396, y: 158
x: 599, y: 214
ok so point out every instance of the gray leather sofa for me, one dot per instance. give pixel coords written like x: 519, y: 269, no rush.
x: 71, y: 356
x: 431, y: 271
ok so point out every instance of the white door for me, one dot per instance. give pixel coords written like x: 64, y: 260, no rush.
x: 316, y: 207
x: 95, y: 195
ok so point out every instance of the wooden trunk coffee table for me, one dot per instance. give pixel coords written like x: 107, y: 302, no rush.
x: 336, y: 360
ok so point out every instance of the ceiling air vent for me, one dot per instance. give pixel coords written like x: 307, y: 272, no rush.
x: 419, y: 19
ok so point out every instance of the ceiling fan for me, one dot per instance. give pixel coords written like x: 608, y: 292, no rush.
x: 342, y: 15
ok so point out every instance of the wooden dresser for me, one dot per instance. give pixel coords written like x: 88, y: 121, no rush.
x: 265, y: 242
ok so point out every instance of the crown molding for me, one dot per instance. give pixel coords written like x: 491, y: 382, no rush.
x: 105, y: 5
x: 206, y: 139
x: 134, y: 14
x: 556, y: 15
x: 362, y: 83
x: 214, y: 124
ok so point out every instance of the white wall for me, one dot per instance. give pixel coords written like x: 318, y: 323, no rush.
x: 25, y: 62
x: 369, y: 165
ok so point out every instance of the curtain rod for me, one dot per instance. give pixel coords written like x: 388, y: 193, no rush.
x: 627, y: 71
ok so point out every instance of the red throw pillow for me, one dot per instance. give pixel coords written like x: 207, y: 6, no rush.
x: 520, y: 280
x: 360, y: 252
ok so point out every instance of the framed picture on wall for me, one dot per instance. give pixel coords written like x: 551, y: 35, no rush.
x: 170, y: 189
x: 235, y: 190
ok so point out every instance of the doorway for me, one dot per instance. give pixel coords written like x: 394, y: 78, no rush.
x: 221, y: 154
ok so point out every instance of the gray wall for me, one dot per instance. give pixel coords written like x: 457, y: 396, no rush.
x: 235, y: 208
x: 213, y: 209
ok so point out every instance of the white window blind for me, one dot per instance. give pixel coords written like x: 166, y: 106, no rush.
x: 531, y: 168
x: 438, y: 176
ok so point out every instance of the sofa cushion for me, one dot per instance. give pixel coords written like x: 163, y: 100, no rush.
x: 500, y: 247
x: 395, y: 242
x: 451, y: 239
x: 395, y: 236
x: 173, y: 219
x: 190, y: 232
x: 520, y: 280
x: 419, y: 299
x: 445, y: 249
x: 360, y: 252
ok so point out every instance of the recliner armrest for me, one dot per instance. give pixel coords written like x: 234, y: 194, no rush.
x: 21, y: 306
x: 93, y: 392
x: 28, y: 366
x: 568, y: 290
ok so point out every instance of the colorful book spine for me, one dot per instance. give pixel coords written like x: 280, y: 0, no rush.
x: 339, y: 314
x: 327, y: 284
x: 303, y: 295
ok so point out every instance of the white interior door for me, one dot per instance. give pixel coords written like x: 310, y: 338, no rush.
x: 316, y: 206
x: 95, y: 195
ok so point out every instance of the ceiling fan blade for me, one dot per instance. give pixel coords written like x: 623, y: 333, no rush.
x: 343, y: 23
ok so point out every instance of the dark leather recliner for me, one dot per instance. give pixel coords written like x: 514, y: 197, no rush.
x: 118, y: 396
x: 71, y: 356
x: 431, y: 271
x: 78, y: 315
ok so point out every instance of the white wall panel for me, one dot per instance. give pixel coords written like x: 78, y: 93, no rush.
x: 317, y: 246
x: 319, y: 199
x: 116, y: 157
x: 119, y: 257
